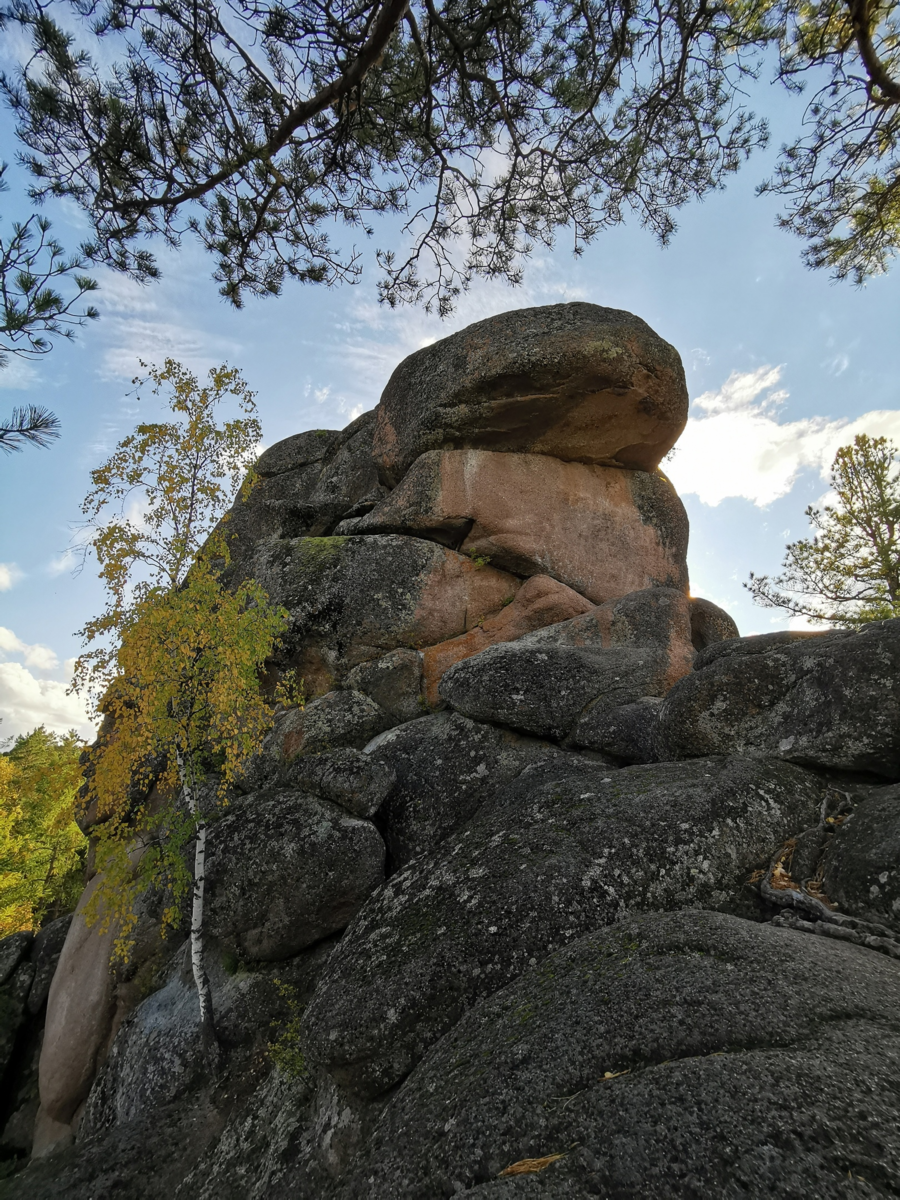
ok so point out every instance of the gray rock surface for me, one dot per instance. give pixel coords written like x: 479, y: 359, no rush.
x: 344, y: 718
x: 307, y: 484
x: 710, y: 624
x: 348, y: 483
x: 255, y: 1157
x: 355, y: 781
x: 563, y: 849
x: 671, y: 1055
x: 445, y: 767
x: 543, y: 690
x: 862, y: 867
x: 393, y: 681
x: 285, y: 870
x: 629, y: 732
x: 828, y: 700
x: 575, y: 381
x: 45, y: 954
x: 299, y: 450
x: 13, y: 950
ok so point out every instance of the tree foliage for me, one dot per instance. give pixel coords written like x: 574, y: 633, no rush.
x: 32, y: 425
x: 32, y: 311
x: 849, y: 571
x: 41, y: 847
x: 259, y: 126
x: 176, y: 671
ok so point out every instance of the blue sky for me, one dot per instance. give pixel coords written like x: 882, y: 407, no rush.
x: 783, y: 367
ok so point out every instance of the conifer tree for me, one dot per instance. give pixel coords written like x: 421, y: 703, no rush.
x: 262, y: 128
x: 848, y: 573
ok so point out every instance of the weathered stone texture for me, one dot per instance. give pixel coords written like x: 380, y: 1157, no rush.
x: 575, y: 381
x: 285, y: 870
x: 445, y: 768
x: 670, y: 1055
x: 602, y: 531
x: 824, y: 699
x: 563, y: 849
x: 862, y: 867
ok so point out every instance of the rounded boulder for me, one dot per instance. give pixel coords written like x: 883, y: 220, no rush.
x: 577, y: 381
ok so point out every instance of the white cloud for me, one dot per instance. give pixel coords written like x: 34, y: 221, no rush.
x: 136, y: 340
x: 735, y: 446
x: 117, y: 293
x: 39, y: 656
x: 26, y: 702
x: 18, y: 374
x: 9, y: 576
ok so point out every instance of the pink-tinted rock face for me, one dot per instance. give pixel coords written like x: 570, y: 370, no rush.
x: 80, y: 1011
x: 541, y: 601
x: 602, y: 531
x: 353, y: 599
x: 575, y: 381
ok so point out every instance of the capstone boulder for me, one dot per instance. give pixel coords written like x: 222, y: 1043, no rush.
x: 574, y: 381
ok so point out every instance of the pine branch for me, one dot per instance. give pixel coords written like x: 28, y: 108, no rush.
x: 33, y: 425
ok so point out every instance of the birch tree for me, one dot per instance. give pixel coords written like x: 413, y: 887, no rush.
x: 172, y: 664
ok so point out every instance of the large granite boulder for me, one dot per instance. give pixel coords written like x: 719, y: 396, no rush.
x: 563, y: 849
x: 823, y: 699
x: 540, y: 602
x: 862, y: 866
x: 604, y: 532
x: 670, y: 1055
x: 575, y: 381
x: 614, y: 654
x: 357, y: 782
x: 652, y: 619
x: 393, y: 681
x: 286, y: 869
x: 545, y: 690
x: 353, y: 599
x: 344, y: 718
x: 81, y: 1007
x: 445, y: 768
x: 710, y: 624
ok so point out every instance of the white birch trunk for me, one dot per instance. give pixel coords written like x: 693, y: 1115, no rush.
x: 201, y: 979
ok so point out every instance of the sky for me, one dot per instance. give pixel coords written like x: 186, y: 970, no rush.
x: 783, y: 367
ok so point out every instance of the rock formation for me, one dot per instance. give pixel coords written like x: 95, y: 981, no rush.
x: 578, y: 892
